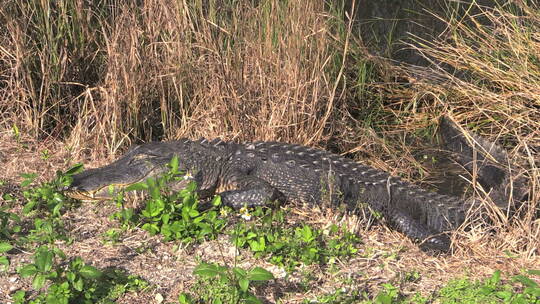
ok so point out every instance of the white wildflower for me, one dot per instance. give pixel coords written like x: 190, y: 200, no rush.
x: 244, y: 213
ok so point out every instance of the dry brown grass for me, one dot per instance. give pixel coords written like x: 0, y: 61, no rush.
x: 268, y: 70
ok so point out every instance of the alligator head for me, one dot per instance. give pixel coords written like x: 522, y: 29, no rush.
x: 138, y: 164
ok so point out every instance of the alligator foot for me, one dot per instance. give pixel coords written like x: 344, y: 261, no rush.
x: 429, y: 241
x: 251, y: 192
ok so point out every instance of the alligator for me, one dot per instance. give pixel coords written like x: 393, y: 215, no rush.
x: 256, y: 173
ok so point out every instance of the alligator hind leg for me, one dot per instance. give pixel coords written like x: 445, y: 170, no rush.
x: 428, y: 239
x: 251, y: 192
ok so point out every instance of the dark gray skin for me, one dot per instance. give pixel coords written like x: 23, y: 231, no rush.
x: 254, y: 174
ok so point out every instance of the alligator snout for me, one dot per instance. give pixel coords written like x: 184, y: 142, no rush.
x: 105, y: 182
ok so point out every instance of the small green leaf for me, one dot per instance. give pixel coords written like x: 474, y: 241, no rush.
x: 56, y: 209
x: 244, y: 284
x: 306, y: 233
x: 251, y: 299
x: 59, y: 252
x: 75, y: 169
x: 260, y: 274
x: 8, y: 197
x: 239, y: 272
x: 44, y: 260
x: 90, y: 272
x: 165, y: 218
x: 191, y: 187
x: 533, y: 291
x: 29, y: 207
x: 4, y: 262
x: 28, y: 270
x: 188, y: 200
x: 174, y: 164
x: 525, y: 281
x: 152, y: 228
x: 194, y: 213
x: 70, y: 276
x: 28, y: 178
x: 38, y: 281
x: 19, y: 296
x: 136, y: 187
x: 110, y: 190
x: 78, y: 284
x: 257, y: 246
x: 184, y: 298
x: 505, y: 295
x: 496, y: 277
x: 207, y: 270
x: 383, y: 298
x: 5, y: 246
x: 16, y: 132
x: 216, y: 201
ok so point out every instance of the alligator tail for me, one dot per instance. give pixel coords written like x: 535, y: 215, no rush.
x: 489, y: 160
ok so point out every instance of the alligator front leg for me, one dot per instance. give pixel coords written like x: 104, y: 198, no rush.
x: 251, y: 192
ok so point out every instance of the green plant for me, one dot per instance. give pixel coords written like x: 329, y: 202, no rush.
x: 42, y: 268
x: 45, y: 154
x: 175, y: 214
x: 9, y: 223
x: 112, y: 235
x: 4, y: 261
x: 19, y: 297
x: 16, y: 133
x: 47, y: 196
x: 220, y: 284
x: 126, y: 216
x: 115, y: 283
x: 492, y: 290
x: 291, y: 246
x: 74, y: 281
x: 389, y: 295
x: 47, y: 201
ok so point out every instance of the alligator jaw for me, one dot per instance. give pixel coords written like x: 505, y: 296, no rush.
x: 83, y: 196
x: 105, y: 182
x: 105, y: 193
